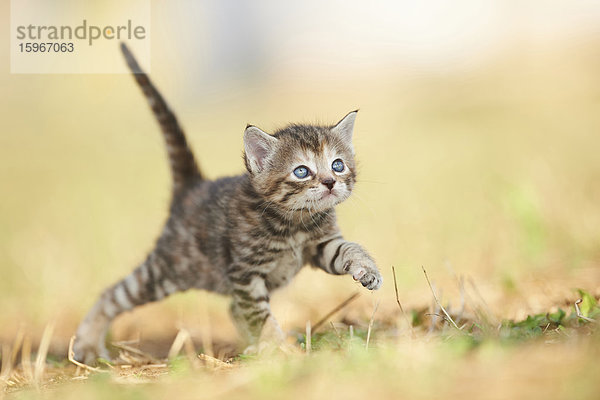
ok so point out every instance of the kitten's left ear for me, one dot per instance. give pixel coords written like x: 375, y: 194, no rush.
x: 345, y: 127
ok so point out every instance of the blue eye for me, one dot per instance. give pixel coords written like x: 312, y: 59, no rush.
x: 301, y: 172
x: 337, y: 165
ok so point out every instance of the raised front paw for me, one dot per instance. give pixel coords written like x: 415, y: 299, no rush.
x: 364, y: 270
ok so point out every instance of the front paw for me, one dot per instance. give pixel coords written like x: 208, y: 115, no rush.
x: 90, y: 339
x: 365, y: 272
x: 88, y: 351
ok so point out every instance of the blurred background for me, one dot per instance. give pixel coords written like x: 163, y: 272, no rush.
x: 478, y: 138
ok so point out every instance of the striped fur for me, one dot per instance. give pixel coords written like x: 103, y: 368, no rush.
x: 242, y: 236
x: 183, y: 165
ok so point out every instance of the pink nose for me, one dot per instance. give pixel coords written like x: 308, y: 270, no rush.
x: 329, y: 182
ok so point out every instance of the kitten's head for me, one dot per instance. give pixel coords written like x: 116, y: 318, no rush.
x: 302, y: 167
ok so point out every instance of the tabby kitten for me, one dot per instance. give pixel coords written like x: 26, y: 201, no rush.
x: 242, y: 236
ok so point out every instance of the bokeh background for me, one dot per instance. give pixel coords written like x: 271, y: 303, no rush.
x: 478, y: 138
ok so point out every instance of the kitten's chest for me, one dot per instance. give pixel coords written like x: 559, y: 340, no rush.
x: 288, y: 263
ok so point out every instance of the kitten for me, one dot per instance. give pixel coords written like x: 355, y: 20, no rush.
x: 242, y: 236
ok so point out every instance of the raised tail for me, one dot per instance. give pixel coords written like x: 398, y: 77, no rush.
x: 183, y: 165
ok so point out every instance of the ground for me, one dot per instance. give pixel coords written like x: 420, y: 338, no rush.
x: 436, y: 351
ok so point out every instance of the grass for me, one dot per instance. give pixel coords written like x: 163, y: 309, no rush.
x: 382, y: 356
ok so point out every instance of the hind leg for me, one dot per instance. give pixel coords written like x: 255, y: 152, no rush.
x: 148, y: 282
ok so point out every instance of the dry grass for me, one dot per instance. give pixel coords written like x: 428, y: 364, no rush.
x: 423, y: 358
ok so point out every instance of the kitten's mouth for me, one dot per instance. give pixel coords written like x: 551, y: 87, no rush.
x: 328, y: 194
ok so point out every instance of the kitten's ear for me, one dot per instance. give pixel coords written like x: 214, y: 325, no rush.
x: 259, y: 146
x: 345, y: 127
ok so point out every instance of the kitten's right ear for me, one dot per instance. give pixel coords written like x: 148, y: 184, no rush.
x: 258, y: 146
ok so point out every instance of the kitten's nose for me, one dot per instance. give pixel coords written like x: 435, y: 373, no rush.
x: 329, y: 182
